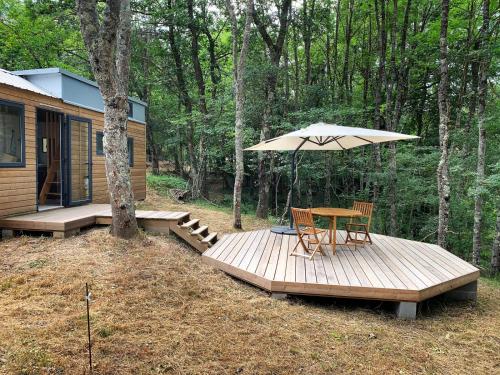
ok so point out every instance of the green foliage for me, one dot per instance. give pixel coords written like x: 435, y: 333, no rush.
x: 162, y: 183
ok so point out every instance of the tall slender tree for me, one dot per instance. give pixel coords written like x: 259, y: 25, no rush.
x: 443, y: 178
x: 495, y: 250
x: 275, y: 49
x: 239, y: 66
x: 107, y: 38
x: 481, y: 146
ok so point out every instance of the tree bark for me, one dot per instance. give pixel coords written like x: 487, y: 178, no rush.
x: 481, y: 148
x: 198, y: 181
x: 443, y: 181
x: 335, y: 48
x: 239, y: 64
x: 275, y: 49
x: 187, y: 102
x: 346, y: 94
x: 308, y: 14
x: 108, y: 44
x: 495, y: 250
x: 382, y: 47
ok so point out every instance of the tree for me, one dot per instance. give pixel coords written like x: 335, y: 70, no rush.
x: 481, y: 147
x: 108, y: 45
x: 443, y: 178
x: 275, y: 51
x: 239, y: 64
x: 495, y: 251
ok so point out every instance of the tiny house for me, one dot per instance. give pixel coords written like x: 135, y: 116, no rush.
x: 51, y: 142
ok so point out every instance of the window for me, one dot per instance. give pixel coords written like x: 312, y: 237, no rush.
x: 99, y: 148
x: 130, y: 147
x: 11, y: 134
x: 130, y: 109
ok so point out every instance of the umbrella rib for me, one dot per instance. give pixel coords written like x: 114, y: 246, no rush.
x: 336, y: 140
x: 363, y: 139
x: 310, y: 140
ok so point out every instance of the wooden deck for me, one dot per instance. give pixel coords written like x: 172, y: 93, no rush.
x: 64, y: 222
x: 391, y: 269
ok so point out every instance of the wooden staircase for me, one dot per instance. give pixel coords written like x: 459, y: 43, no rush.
x: 51, y: 180
x: 198, y: 236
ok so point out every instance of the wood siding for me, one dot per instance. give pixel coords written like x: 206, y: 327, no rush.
x: 18, y: 185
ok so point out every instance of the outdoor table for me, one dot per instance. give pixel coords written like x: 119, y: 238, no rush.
x: 333, y: 213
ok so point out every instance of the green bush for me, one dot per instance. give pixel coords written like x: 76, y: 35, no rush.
x: 162, y: 183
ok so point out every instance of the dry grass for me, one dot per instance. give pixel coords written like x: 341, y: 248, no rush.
x: 157, y: 309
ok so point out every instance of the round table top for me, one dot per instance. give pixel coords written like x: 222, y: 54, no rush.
x: 333, y: 211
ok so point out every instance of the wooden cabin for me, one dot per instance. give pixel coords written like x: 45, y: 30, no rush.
x: 51, y: 133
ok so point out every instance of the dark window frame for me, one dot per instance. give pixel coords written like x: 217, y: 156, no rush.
x: 130, y: 149
x: 97, y: 151
x: 130, y: 109
x: 69, y: 170
x: 22, y: 163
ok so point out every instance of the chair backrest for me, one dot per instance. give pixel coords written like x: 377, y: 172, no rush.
x: 366, y: 209
x: 302, y: 216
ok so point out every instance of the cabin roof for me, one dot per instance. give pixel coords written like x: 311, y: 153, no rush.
x: 11, y: 79
x: 70, y: 88
x: 67, y: 73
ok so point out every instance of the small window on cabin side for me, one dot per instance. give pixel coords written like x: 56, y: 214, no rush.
x: 130, y: 147
x: 130, y: 109
x: 99, y: 146
x: 11, y: 134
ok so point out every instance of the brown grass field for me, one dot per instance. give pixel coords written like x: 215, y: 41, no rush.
x: 157, y: 309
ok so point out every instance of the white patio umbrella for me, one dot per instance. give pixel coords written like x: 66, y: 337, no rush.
x: 321, y: 137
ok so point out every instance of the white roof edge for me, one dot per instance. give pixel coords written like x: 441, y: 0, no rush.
x: 14, y: 80
x: 65, y: 72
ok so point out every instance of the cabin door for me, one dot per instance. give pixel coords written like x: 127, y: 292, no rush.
x: 78, y: 161
x: 48, y: 159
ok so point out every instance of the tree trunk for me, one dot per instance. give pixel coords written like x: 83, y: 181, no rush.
x: 382, y: 46
x: 481, y: 148
x: 328, y: 179
x: 239, y: 63
x: 275, y: 49
x: 495, y: 251
x: 308, y: 14
x: 443, y: 180
x: 188, y: 105
x: 335, y: 48
x: 345, y: 70
x: 198, y: 181
x: 107, y: 39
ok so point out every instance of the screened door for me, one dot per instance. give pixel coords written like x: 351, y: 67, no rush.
x: 79, y: 161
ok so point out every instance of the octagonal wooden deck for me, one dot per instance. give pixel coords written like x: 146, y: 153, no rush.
x: 391, y: 269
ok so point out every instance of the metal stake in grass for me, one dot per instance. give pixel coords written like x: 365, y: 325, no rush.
x: 87, y: 298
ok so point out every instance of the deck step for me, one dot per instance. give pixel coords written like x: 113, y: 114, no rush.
x: 190, y: 224
x: 208, y: 239
x: 200, y: 230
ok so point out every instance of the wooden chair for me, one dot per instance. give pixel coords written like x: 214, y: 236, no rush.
x: 307, y: 232
x: 355, y: 228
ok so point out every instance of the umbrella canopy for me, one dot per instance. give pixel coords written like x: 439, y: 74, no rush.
x: 323, y: 136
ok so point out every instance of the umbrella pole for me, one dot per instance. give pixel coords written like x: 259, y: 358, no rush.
x: 284, y: 229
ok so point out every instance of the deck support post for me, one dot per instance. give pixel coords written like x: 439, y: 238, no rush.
x: 407, y: 310
x: 279, y: 296
x: 467, y: 292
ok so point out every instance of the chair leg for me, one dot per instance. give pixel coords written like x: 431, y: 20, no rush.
x: 294, y: 248
x: 300, y: 241
x: 369, y: 238
x: 318, y: 246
